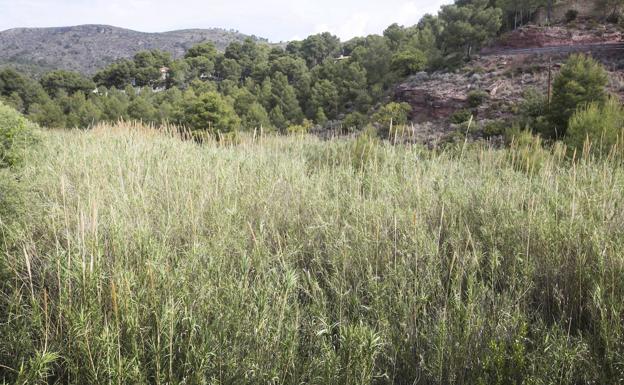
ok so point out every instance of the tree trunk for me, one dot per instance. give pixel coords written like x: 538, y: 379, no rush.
x: 549, y: 11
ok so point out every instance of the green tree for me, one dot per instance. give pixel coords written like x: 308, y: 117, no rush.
x: 80, y: 112
x: 283, y: 95
x: 15, y: 134
x: 316, y: 48
x: 324, y: 96
x: 582, y: 80
x: 467, y: 27
x: 408, y: 62
x: 48, y: 114
x: 392, y: 114
x: 374, y: 55
x: 396, y: 35
x: 600, y: 124
x: 142, y: 109
x: 250, y: 56
x: 113, y: 104
x: 256, y: 117
x: 296, y: 71
x: 206, y: 50
x: 67, y: 81
x: 277, y: 118
x: 228, y: 69
x: 13, y: 84
x: 320, y: 116
x: 211, y: 112
x: 147, y: 67
x: 117, y: 75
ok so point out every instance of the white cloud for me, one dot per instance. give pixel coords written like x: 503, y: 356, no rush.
x: 275, y: 19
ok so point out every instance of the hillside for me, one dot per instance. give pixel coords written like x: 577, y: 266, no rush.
x: 515, y: 63
x: 87, y: 48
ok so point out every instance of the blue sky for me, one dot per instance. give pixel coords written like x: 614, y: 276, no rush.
x: 277, y: 20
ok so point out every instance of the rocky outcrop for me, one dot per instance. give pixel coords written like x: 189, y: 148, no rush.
x: 438, y: 96
x: 584, y: 9
x: 432, y: 97
x: 532, y: 36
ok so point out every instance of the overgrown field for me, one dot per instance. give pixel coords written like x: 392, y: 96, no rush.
x: 139, y: 258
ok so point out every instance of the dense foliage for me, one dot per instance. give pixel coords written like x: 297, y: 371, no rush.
x: 582, y: 80
x: 318, y: 79
x: 600, y: 126
x: 15, y: 135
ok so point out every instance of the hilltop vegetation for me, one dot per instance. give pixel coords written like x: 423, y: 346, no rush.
x: 319, y: 83
x: 316, y: 80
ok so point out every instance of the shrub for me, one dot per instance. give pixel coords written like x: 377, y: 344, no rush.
x: 211, y: 112
x: 614, y: 18
x: 15, y: 134
x: 354, y: 121
x: 477, y: 98
x: 495, y: 128
x: 461, y: 116
x: 392, y: 114
x: 532, y: 106
x: 571, y: 15
x: 409, y: 62
x: 299, y: 129
x: 582, y: 80
x: 599, y: 126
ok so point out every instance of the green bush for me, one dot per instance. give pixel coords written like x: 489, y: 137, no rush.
x: 599, y: 126
x: 571, y: 15
x: 15, y: 134
x: 408, y: 62
x: 354, y: 121
x: 532, y: 106
x: 299, y: 129
x: 461, y: 116
x: 210, y: 112
x: 582, y: 80
x: 477, y: 98
x: 392, y: 114
x: 495, y: 128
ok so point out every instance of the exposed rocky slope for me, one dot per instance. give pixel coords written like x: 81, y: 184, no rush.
x: 504, y: 77
x: 583, y: 33
x: 87, y: 48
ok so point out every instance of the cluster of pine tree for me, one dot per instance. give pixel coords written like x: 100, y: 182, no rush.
x: 251, y: 85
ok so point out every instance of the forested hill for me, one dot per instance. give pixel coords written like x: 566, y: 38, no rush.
x: 87, y: 48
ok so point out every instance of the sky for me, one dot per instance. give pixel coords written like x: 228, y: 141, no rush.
x: 277, y: 20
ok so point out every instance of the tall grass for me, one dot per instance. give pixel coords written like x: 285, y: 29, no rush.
x: 146, y: 259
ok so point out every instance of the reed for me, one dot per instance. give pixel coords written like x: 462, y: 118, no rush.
x: 142, y: 258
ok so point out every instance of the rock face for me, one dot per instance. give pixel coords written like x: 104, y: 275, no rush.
x: 532, y: 36
x: 87, y: 48
x: 436, y: 97
x: 585, y: 9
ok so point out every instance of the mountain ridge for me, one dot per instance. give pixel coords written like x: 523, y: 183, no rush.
x: 89, y: 47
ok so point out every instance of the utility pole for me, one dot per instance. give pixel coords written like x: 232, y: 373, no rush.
x: 549, y: 81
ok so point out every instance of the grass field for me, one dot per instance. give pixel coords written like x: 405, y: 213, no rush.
x: 135, y: 257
